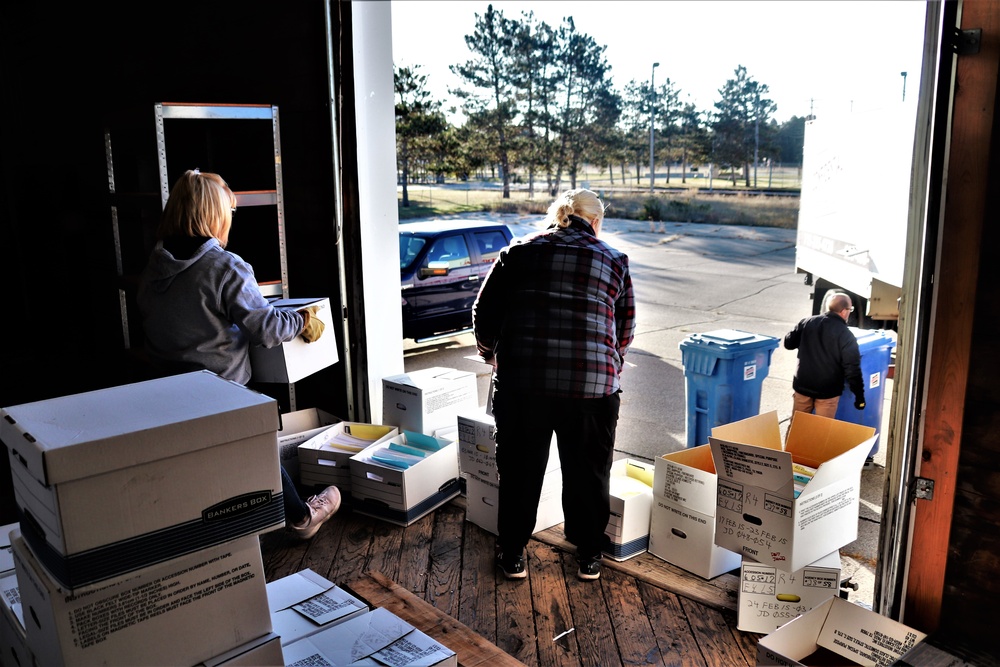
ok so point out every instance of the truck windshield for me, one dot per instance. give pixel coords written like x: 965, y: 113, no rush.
x: 409, y: 248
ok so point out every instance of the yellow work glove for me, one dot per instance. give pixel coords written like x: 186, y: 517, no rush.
x: 312, y: 326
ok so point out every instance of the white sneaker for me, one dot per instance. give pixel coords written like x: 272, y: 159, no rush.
x: 321, y: 507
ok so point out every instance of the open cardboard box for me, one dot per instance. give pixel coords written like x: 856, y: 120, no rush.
x: 403, y: 495
x: 296, y: 428
x: 682, y: 523
x: 325, y: 459
x: 857, y: 635
x: 757, y: 514
x: 297, y: 358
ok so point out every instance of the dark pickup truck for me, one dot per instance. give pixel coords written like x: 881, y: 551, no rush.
x: 442, y: 263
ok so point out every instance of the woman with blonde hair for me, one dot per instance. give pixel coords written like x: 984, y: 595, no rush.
x: 555, y: 316
x: 202, y: 309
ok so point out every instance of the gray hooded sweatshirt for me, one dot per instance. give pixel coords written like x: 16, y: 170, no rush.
x: 205, y: 312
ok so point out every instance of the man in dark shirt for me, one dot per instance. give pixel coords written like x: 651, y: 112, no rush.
x: 828, y: 357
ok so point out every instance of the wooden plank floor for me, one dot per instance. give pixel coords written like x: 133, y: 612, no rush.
x: 642, y: 611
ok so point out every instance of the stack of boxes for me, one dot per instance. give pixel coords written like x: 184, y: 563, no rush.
x: 401, y: 490
x: 789, y: 530
x: 139, y: 513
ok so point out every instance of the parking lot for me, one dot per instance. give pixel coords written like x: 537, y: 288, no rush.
x: 695, y: 279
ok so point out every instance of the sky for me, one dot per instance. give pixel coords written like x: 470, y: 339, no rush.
x: 815, y: 56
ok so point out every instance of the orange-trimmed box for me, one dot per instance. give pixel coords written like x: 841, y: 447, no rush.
x: 758, y: 513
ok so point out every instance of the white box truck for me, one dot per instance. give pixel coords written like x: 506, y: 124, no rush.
x: 854, y: 209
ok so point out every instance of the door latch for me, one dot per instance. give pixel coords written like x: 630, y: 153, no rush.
x: 923, y: 488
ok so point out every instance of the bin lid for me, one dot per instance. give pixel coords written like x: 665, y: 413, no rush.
x: 729, y: 340
x: 873, y: 338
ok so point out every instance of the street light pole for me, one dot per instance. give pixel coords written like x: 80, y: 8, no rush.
x: 652, y: 119
x: 903, y: 74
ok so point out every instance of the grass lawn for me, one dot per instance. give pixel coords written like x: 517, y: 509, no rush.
x: 692, y: 204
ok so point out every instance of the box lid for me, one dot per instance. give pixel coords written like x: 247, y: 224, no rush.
x: 87, y: 434
x: 687, y: 478
x: 427, y: 378
x: 813, y: 440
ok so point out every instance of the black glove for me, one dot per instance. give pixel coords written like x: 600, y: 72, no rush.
x: 859, y: 403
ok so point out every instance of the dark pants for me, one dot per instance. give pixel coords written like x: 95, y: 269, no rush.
x: 585, y: 434
x: 295, y: 508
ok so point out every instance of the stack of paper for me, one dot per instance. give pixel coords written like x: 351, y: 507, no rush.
x: 325, y: 458
x: 801, y: 474
x: 413, y: 449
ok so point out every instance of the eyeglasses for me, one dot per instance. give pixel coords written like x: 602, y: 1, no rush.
x: 233, y: 209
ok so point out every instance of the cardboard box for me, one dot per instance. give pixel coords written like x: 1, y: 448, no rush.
x: 14, y: 649
x: 305, y: 603
x: 315, y: 478
x: 631, y: 508
x: 769, y: 597
x: 483, y: 500
x: 429, y: 399
x: 295, y: 359
x: 757, y: 513
x: 6, y: 552
x: 155, y: 616
x: 400, y: 495
x: 260, y: 652
x: 682, y: 522
x: 111, y: 481
x: 837, y: 626
x: 379, y: 637
x: 325, y: 458
x: 477, y: 447
x: 298, y: 427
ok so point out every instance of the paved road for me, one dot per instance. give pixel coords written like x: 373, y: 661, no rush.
x: 689, y: 279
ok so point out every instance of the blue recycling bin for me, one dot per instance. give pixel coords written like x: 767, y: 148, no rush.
x: 876, y: 348
x: 724, y: 371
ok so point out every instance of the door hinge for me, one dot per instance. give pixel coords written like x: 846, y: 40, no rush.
x: 923, y: 488
x: 965, y: 42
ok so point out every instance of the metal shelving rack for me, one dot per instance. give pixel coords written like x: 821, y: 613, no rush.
x: 168, y: 111
x: 134, y: 214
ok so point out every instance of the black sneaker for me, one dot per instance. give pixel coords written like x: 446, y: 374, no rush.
x: 512, y: 566
x: 590, y: 568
